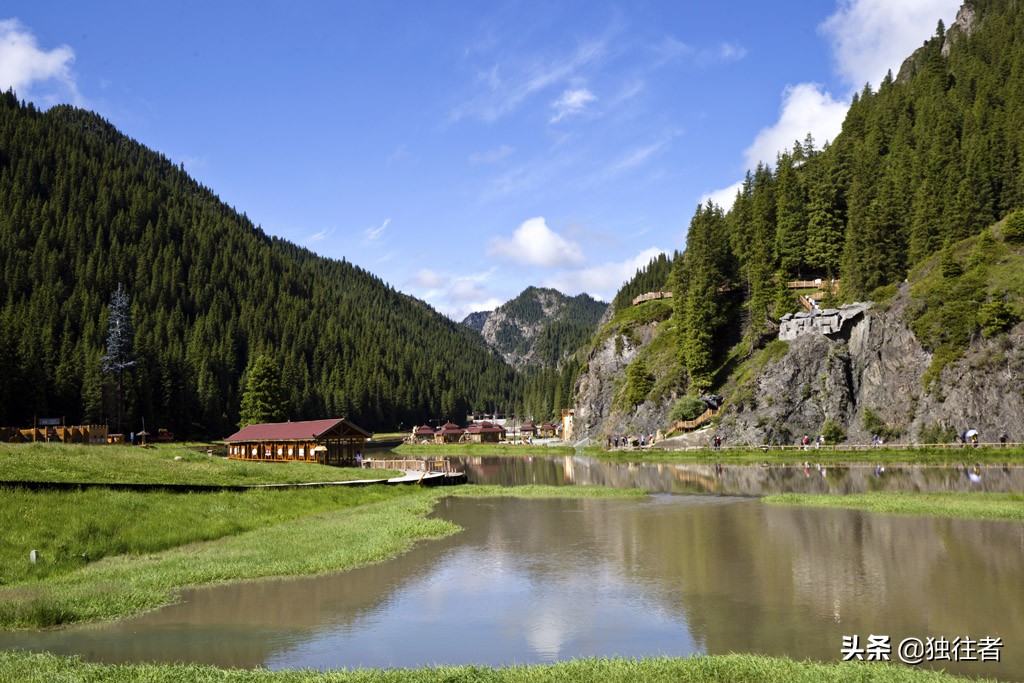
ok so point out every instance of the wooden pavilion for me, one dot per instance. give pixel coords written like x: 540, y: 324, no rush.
x: 328, y: 442
x: 449, y: 433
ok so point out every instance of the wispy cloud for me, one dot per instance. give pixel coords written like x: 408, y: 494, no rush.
x: 534, y: 243
x: 319, y: 236
x: 373, y: 234
x: 505, y: 87
x: 24, y: 66
x: 491, y: 156
x: 635, y: 158
x: 572, y: 102
x: 729, y: 52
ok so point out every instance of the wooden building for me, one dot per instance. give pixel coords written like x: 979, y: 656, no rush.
x: 485, y: 432
x: 547, y: 431
x: 327, y: 442
x: 423, y: 434
x: 449, y: 433
x: 528, y: 430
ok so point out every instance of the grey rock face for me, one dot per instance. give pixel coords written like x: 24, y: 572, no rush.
x: 830, y: 321
x: 876, y: 363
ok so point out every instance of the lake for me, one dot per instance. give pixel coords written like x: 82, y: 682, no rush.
x: 547, y: 580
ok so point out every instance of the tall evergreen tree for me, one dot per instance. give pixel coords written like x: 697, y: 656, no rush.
x: 120, y: 355
x: 263, y: 399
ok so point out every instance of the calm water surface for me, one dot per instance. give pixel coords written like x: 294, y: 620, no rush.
x: 741, y: 480
x: 547, y: 580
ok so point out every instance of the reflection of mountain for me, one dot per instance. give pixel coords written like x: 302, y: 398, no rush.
x: 746, y: 480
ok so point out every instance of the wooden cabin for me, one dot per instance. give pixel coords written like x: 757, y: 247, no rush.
x: 485, y: 432
x: 528, y: 430
x: 423, y: 434
x: 449, y: 433
x: 547, y: 431
x: 327, y: 442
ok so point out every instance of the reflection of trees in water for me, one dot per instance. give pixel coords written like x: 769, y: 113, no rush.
x: 751, y: 577
x: 746, y: 480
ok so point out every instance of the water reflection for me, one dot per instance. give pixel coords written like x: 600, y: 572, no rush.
x: 538, y: 581
x: 743, y: 480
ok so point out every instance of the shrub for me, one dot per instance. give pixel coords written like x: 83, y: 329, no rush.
x: 687, y: 408
x: 832, y: 432
x: 936, y: 432
x: 1013, y: 228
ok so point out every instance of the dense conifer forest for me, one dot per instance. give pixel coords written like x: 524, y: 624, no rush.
x: 84, y: 208
x: 933, y: 156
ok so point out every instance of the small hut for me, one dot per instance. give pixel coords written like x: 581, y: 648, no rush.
x: 547, y: 431
x: 328, y: 442
x: 485, y: 432
x: 449, y: 433
x: 424, y: 433
x: 528, y: 430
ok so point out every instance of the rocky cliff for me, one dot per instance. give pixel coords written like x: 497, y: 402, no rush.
x: 601, y: 408
x: 875, y: 366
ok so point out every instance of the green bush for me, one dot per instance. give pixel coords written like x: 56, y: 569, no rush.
x: 995, y: 317
x: 1013, y: 228
x: 874, y: 424
x: 832, y: 432
x: 687, y: 408
x: 936, y: 432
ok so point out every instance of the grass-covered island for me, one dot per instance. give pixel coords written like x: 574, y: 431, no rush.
x: 966, y: 506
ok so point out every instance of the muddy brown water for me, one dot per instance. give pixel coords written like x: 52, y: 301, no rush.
x: 548, y: 580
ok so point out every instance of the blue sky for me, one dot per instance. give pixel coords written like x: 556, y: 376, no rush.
x: 463, y: 151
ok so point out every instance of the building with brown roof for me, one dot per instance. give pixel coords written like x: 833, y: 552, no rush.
x: 485, y: 432
x: 424, y: 433
x: 547, y: 431
x: 328, y: 442
x: 449, y: 433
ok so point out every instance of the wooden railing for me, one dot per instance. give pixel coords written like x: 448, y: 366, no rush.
x: 686, y: 425
x: 412, y: 464
x: 651, y: 296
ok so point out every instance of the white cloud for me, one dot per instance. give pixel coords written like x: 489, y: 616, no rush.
x: 604, y: 280
x: 572, y: 102
x: 870, y: 37
x: 373, y: 234
x: 725, y: 197
x: 534, y: 243
x: 491, y: 156
x: 23, y: 64
x: 806, y: 108
x: 425, y: 278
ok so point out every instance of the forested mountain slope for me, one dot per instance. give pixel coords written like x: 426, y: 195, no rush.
x: 83, y: 208
x: 923, y: 167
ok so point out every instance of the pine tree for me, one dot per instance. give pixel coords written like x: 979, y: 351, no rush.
x: 120, y: 355
x: 263, y: 398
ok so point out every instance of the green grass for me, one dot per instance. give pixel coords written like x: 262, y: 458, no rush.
x: 970, y: 506
x: 105, y: 554
x: 299, y: 532
x: 37, y: 668
x: 156, y: 465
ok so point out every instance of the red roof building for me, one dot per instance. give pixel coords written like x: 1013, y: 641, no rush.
x: 328, y: 442
x: 485, y: 432
x: 449, y: 433
x: 546, y: 430
x: 424, y: 433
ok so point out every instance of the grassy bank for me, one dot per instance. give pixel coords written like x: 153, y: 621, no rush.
x: 968, y: 506
x: 37, y: 668
x: 824, y: 456
x: 264, y: 534
x: 104, y: 554
x: 156, y: 465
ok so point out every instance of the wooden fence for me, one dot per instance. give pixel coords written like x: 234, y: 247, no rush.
x: 412, y: 464
x: 687, y: 425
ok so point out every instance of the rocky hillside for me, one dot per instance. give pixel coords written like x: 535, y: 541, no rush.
x: 607, y: 391
x: 870, y: 380
x: 539, y: 327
